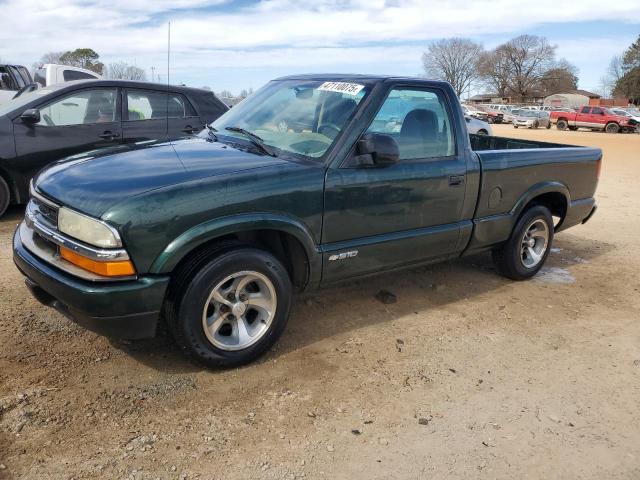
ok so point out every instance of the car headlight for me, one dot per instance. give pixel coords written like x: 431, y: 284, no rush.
x: 87, y: 229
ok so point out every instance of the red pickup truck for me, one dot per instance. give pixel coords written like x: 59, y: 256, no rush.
x: 594, y: 118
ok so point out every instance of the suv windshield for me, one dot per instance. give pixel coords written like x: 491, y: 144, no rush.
x: 300, y: 117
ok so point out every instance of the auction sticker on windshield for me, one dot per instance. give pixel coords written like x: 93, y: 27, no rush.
x: 341, y: 87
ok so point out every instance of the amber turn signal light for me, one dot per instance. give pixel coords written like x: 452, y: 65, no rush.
x: 106, y: 269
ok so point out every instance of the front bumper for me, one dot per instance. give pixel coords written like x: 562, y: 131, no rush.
x: 124, y: 309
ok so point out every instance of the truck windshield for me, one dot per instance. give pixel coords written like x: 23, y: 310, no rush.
x: 300, y: 117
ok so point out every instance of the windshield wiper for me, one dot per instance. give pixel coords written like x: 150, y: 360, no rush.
x: 212, y: 132
x: 255, y: 139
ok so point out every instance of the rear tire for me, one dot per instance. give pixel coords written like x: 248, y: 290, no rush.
x: 232, y: 306
x: 528, y: 246
x: 5, y: 196
x: 612, y: 127
x: 535, y: 124
x: 562, y: 125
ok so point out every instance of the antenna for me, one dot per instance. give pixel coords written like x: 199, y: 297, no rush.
x: 168, y: 70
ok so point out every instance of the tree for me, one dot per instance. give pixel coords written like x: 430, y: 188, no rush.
x: 631, y: 57
x: 561, y: 77
x: 51, y: 57
x: 628, y: 83
x: 628, y: 86
x: 495, y: 70
x: 528, y: 58
x: 454, y: 60
x: 124, y: 71
x: 85, y: 58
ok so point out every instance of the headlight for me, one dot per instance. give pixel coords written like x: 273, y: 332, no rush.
x: 87, y: 229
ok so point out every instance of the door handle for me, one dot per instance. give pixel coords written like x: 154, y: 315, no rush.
x: 455, y: 180
x: 189, y: 129
x: 109, y: 135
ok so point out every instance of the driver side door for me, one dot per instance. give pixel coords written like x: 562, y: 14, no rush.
x: 382, y: 217
x: 76, y: 122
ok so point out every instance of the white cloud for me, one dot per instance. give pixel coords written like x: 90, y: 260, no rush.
x: 277, y: 32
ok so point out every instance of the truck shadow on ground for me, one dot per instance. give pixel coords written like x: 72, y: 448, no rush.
x: 353, y: 305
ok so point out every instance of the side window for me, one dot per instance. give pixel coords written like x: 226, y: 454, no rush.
x: 146, y: 105
x: 84, y: 107
x: 179, y: 107
x: 18, y: 78
x: 70, y: 75
x: 419, y: 121
x: 596, y: 111
x: 585, y: 110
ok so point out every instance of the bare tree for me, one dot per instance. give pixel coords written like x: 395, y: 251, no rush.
x: 124, y: 71
x: 454, y: 60
x: 495, y: 70
x: 528, y: 57
x: 561, y: 77
x: 605, y: 86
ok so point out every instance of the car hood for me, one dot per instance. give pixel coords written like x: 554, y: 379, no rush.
x: 94, y: 181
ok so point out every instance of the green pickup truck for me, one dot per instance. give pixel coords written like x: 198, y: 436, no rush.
x: 311, y: 180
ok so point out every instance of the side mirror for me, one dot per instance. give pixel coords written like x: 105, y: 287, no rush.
x: 30, y: 116
x: 377, y: 149
x: 468, y: 119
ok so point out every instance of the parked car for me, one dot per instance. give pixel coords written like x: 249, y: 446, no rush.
x: 50, y: 74
x: 478, y: 127
x: 531, y: 119
x: 594, y: 118
x: 493, y: 115
x: 629, y: 113
x: 40, y: 127
x: 470, y: 111
x: 509, y: 116
x: 13, y: 78
x: 215, y: 232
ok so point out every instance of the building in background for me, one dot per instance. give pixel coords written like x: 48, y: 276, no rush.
x: 571, y: 99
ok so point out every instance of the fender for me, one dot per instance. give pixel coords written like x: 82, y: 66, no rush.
x: 175, y: 251
x: 537, y: 190
x: 494, y: 229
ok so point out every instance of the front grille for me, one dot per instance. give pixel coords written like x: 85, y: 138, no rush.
x: 46, y: 212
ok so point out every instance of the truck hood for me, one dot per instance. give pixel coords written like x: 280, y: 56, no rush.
x: 94, y: 181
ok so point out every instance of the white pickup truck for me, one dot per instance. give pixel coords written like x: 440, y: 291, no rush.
x: 50, y: 74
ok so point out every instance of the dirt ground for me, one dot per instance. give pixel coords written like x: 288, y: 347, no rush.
x: 468, y: 375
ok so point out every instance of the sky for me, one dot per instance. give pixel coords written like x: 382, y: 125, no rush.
x: 241, y: 44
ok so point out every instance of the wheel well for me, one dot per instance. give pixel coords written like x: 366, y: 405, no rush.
x: 483, y: 131
x: 562, y: 118
x: 12, y: 187
x: 556, y: 202
x: 284, y: 246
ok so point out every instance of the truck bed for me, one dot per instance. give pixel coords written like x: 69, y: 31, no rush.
x: 511, y: 168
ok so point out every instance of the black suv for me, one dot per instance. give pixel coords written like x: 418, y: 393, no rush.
x: 65, y: 119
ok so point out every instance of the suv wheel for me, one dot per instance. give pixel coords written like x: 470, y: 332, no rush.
x: 562, y: 125
x: 612, y: 128
x: 5, y: 196
x: 232, y: 309
x: 526, y: 250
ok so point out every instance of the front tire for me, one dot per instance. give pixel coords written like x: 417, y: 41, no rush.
x: 232, y: 308
x: 612, y: 127
x: 527, y: 249
x: 5, y: 196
